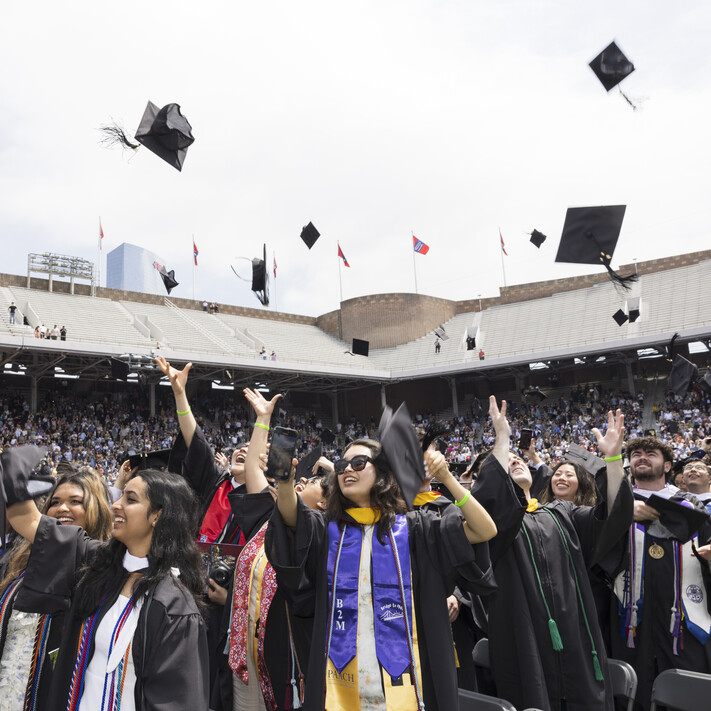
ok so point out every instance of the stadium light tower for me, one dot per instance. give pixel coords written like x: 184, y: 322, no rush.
x: 62, y: 266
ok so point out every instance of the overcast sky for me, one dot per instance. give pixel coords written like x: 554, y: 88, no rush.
x: 372, y: 119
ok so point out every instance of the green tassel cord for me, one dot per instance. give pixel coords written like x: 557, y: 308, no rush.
x: 555, y: 635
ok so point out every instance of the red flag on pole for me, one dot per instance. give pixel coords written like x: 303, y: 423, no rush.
x: 275, y: 266
x: 503, y: 246
x: 195, y: 252
x: 343, y: 257
x: 419, y: 246
x: 101, y: 235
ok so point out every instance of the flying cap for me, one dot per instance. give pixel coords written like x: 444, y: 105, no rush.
x: 166, y: 132
x: 538, y: 238
x: 679, y: 516
x: 682, y: 376
x: 304, y: 469
x: 586, y: 459
x: 119, y: 369
x: 148, y: 460
x: 402, y: 451
x: 168, y: 278
x: 705, y: 382
x: 535, y: 393
x: 620, y: 317
x: 310, y: 234
x: 590, y: 236
x: 611, y: 66
x: 360, y: 347
x: 260, y: 278
x: 441, y: 333
x: 327, y: 437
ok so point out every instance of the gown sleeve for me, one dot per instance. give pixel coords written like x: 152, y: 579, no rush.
x: 175, y: 674
x: 58, y: 553
x: 250, y: 510
x: 197, y: 464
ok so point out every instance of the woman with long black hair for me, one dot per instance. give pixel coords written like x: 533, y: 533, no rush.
x: 376, y: 577
x: 134, y: 636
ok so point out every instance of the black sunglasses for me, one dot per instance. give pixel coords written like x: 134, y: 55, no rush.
x: 357, y: 463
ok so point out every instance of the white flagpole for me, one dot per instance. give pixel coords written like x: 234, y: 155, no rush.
x: 340, y: 282
x: 414, y: 267
x: 501, y: 248
x: 192, y: 249
x: 276, y: 306
x: 98, y: 271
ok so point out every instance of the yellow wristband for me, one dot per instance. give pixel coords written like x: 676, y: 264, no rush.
x: 464, y: 500
x: 613, y: 459
x: 264, y: 427
x: 187, y: 412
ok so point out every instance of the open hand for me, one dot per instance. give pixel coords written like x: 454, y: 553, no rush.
x: 262, y: 406
x: 498, y: 418
x: 178, y: 378
x: 611, y: 444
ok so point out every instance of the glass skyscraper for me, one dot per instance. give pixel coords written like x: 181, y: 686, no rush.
x: 133, y: 268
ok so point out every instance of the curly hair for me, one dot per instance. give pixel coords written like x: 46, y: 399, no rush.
x: 172, y: 546
x: 98, y: 516
x: 385, y: 494
x: 650, y: 444
x: 584, y: 496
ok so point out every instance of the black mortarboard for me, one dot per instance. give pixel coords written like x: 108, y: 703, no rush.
x: 634, y: 315
x: 590, y: 235
x: 679, y: 516
x: 402, y: 451
x: 260, y: 278
x: 705, y: 382
x: 671, y: 348
x: 327, y: 437
x: 620, y: 317
x: 119, y: 369
x: 360, y: 347
x: 587, y: 460
x: 168, y: 278
x: 682, y: 376
x: 304, y: 469
x: 611, y: 66
x: 166, y: 132
x: 441, y: 333
x: 310, y: 234
x: 536, y: 394
x: 538, y: 238
x: 148, y: 460
x: 432, y: 432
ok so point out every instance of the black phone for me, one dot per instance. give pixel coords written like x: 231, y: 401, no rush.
x: 281, y: 452
x: 525, y: 441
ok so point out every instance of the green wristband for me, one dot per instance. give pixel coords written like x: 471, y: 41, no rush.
x: 264, y: 427
x: 187, y: 412
x: 613, y: 459
x: 464, y: 500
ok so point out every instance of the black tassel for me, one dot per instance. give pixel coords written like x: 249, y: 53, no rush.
x: 628, y: 100
x: 114, y: 135
x: 624, y: 281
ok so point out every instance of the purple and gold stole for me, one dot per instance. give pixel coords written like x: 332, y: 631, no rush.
x: 394, y: 623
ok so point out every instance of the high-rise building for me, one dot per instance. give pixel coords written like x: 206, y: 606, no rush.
x: 133, y: 268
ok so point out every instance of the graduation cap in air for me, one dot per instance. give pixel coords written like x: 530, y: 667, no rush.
x: 611, y: 67
x: 304, y: 468
x: 168, y: 278
x: 679, y: 516
x: 535, y: 394
x: 360, y: 347
x: 148, y: 460
x: 587, y: 460
x: 402, y: 451
x: 620, y: 317
x: 327, y: 437
x: 682, y: 376
x: 119, y: 369
x: 705, y: 382
x: 22, y: 476
x: 431, y: 434
x: 441, y: 333
x: 590, y: 235
x: 165, y: 132
x: 310, y: 234
x: 538, y: 238
x: 260, y: 276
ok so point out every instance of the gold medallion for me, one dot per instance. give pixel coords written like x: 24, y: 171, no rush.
x: 656, y: 551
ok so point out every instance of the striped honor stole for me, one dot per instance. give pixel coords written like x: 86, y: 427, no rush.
x: 394, y: 626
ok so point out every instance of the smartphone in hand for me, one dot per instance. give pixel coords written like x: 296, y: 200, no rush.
x: 281, y: 452
x: 525, y: 442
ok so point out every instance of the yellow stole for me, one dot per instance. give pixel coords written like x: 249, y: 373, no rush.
x: 426, y: 497
x: 342, y: 689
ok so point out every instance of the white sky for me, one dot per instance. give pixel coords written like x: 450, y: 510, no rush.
x: 449, y: 118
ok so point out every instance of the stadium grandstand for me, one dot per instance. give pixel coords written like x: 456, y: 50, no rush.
x: 548, y: 337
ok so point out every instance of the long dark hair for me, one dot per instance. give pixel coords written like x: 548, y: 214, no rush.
x: 584, y: 496
x: 172, y: 546
x: 385, y: 494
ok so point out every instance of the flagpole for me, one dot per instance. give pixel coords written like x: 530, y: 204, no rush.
x: 276, y: 304
x: 340, y: 282
x: 98, y: 271
x: 501, y: 248
x: 414, y: 267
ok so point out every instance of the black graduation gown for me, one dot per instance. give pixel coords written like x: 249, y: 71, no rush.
x: 653, y: 644
x: 169, y: 647
x: 527, y: 670
x: 439, y: 551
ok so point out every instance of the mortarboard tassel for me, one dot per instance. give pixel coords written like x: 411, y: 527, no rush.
x: 596, y: 666
x: 628, y: 100
x: 555, y: 635
x: 605, y: 259
x: 115, y: 135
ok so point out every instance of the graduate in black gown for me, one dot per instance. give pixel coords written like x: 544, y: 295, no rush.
x: 545, y: 645
x: 369, y: 564
x: 148, y: 577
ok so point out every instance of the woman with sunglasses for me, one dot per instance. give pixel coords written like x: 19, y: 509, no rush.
x: 375, y: 577
x: 134, y: 638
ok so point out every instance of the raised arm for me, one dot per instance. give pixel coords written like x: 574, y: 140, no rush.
x: 502, y: 430
x: 610, y: 447
x: 178, y: 380
x: 478, y: 525
x: 263, y: 409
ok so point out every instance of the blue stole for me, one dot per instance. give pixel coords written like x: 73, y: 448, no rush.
x: 392, y: 596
